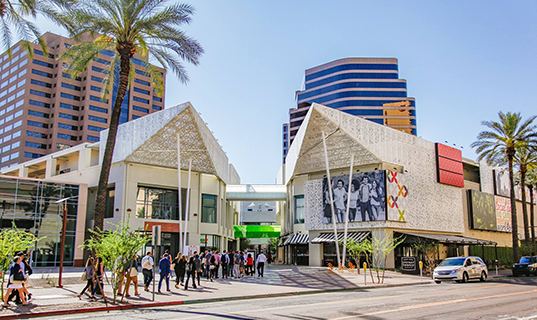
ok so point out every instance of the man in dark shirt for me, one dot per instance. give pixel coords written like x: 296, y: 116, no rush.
x: 165, y: 272
x: 197, y: 263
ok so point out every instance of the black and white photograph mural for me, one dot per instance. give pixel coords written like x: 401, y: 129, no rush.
x: 367, y: 197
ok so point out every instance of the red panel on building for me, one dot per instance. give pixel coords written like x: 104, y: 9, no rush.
x: 165, y: 226
x: 449, y: 165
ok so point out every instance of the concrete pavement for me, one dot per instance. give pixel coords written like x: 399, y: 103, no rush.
x: 278, y: 280
x: 500, y: 298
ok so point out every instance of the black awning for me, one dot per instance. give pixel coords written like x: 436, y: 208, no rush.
x: 329, y: 237
x: 442, y: 238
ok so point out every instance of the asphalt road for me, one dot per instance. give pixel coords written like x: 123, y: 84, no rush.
x: 507, y: 298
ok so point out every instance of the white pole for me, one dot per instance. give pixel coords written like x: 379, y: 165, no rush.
x: 331, y: 200
x: 187, y: 212
x: 347, y: 215
x: 179, y: 191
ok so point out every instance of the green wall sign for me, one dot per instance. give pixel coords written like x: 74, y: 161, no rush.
x: 257, y: 231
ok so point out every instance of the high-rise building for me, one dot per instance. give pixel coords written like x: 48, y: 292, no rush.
x: 43, y: 109
x: 366, y: 87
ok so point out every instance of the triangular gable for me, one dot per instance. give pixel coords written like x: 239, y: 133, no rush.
x: 152, y: 140
x: 307, y: 152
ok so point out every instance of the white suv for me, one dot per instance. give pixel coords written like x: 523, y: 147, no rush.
x: 461, y: 269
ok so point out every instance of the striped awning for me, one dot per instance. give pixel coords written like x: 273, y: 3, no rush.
x: 329, y: 237
x: 297, y: 238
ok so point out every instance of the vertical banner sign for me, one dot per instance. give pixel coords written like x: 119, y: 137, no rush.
x: 503, y: 214
x: 396, y: 196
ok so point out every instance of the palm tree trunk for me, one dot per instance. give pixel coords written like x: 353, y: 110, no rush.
x: 100, y: 201
x: 514, y: 223
x: 532, y: 216
x: 523, y: 170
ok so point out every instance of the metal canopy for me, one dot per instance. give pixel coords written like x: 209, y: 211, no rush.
x: 451, y: 239
x: 256, y: 231
x: 329, y: 237
x: 152, y: 140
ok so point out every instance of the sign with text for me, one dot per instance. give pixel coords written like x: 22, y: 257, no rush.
x: 503, y: 214
x: 408, y: 264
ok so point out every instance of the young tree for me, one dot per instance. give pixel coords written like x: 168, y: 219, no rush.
x: 12, y: 241
x: 499, y: 144
x: 146, y: 27
x: 383, y: 245
x: 117, y: 248
x: 430, y: 253
x: 356, y: 249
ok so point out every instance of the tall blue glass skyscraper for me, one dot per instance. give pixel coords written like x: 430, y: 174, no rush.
x: 364, y: 87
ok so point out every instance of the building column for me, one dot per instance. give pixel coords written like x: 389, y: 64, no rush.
x: 84, y: 158
x: 23, y: 172
x: 50, y: 168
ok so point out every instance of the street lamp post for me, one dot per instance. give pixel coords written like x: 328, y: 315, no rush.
x: 62, y: 246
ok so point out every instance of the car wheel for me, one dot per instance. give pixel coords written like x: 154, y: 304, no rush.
x: 438, y: 282
x: 483, y: 277
x: 464, y: 277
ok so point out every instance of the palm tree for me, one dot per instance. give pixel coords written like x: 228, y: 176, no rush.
x: 531, y: 182
x: 128, y: 27
x: 499, y: 144
x: 13, y: 14
x: 525, y: 157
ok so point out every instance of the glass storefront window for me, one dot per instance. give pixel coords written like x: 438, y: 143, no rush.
x: 299, y: 209
x: 157, y: 203
x: 208, y: 208
x: 30, y: 205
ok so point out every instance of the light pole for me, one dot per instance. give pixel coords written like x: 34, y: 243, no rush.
x: 62, y: 249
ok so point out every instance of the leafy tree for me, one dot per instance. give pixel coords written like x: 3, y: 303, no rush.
x: 356, y: 249
x: 14, y: 14
x: 498, y: 144
x: 12, y: 241
x: 382, y: 245
x: 430, y: 253
x: 125, y: 28
x: 116, y: 247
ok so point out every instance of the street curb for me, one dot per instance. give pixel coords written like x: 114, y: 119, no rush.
x: 198, y: 301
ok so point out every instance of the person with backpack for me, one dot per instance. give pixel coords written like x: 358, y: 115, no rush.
x: 197, y: 264
x: 89, y: 273
x: 224, y: 259
x: 190, y: 272
x: 212, y: 267
x: 250, y: 265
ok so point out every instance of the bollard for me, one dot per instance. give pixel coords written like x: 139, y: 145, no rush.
x: 496, y: 268
x: 421, y: 271
x: 365, y: 273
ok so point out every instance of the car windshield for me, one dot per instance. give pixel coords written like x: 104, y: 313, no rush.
x: 452, y: 262
x: 524, y: 260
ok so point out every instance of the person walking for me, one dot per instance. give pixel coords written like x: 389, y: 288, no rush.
x: 15, y: 281
x: 224, y: 260
x: 99, y: 272
x: 231, y: 263
x: 250, y: 265
x: 212, y: 267
x: 90, y: 273
x: 132, y: 276
x: 217, y: 258
x: 190, y: 272
x: 179, y: 266
x: 164, y: 271
x: 261, y: 259
x: 236, y: 265
x: 147, y: 270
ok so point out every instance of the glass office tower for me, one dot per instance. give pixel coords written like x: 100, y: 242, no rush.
x: 366, y: 87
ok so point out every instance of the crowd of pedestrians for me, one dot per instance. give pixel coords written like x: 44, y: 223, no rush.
x: 211, y: 265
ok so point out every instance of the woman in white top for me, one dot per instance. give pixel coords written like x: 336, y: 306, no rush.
x: 376, y: 196
x: 354, y: 202
x: 15, y: 284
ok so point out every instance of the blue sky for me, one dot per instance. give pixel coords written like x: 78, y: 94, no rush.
x: 463, y: 60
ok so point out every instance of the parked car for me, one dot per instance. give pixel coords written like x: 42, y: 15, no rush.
x: 461, y: 269
x: 526, y: 265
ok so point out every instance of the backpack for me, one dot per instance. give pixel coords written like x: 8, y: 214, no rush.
x: 189, y: 267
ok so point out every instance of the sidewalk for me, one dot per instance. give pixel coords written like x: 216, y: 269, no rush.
x: 278, y: 280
